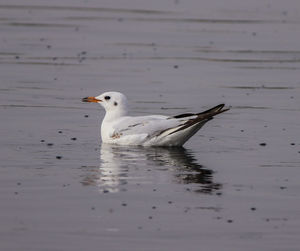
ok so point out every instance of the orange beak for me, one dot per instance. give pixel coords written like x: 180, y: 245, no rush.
x: 91, y: 99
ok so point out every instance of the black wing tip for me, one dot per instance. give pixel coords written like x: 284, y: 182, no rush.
x: 215, y: 110
x: 221, y: 106
x: 201, y: 118
x: 184, y: 115
x: 218, y: 107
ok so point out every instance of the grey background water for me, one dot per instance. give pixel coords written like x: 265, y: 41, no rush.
x: 235, y: 186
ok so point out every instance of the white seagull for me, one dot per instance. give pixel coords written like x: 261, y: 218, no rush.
x: 153, y: 130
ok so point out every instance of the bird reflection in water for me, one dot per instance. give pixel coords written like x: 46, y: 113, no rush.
x: 123, y: 165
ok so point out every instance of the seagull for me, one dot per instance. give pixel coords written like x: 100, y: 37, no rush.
x: 153, y: 130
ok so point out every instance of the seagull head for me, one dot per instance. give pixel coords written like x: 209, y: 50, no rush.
x: 113, y: 102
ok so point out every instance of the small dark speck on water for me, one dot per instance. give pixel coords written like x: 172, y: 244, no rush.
x: 183, y: 192
x: 187, y: 209
x: 81, y: 59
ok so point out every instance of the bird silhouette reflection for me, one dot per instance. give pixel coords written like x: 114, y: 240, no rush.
x: 124, y: 165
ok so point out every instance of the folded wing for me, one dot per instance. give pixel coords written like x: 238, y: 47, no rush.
x: 163, y: 130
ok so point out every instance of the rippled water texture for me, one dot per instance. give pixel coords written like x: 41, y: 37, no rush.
x: 235, y: 185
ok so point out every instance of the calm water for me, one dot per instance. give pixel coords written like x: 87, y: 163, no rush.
x: 235, y: 185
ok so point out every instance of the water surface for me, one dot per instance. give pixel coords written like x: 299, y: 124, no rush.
x: 235, y: 185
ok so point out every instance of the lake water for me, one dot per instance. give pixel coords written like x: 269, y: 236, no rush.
x: 235, y: 185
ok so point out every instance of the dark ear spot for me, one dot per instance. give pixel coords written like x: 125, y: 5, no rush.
x: 115, y: 103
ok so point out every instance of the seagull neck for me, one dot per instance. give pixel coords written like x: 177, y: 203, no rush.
x: 112, y: 115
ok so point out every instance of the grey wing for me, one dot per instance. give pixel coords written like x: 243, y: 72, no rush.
x: 161, y: 126
x: 150, y: 125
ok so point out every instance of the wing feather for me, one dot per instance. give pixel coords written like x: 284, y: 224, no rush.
x: 149, y: 128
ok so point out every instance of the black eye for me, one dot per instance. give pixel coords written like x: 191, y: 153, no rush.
x: 107, y: 97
